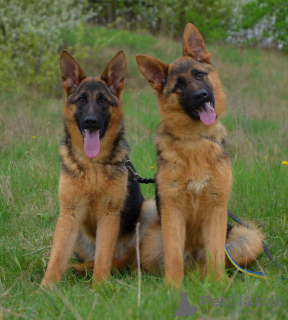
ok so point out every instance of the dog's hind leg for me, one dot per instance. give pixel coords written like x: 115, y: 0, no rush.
x: 84, y: 251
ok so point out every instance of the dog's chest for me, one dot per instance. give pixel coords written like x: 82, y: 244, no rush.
x: 196, y: 186
x: 190, y: 185
x: 105, y: 190
x: 194, y: 176
x: 95, y: 183
x: 102, y: 196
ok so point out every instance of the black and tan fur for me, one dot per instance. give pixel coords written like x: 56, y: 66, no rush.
x: 194, y: 175
x: 100, y: 202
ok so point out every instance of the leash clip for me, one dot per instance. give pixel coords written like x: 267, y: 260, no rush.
x: 128, y: 165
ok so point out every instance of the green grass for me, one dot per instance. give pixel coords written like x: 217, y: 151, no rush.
x: 31, y: 131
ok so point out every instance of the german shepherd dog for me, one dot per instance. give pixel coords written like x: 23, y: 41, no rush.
x: 100, y: 202
x: 194, y: 174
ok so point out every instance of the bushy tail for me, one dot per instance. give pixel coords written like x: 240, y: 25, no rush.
x: 151, y: 244
x: 151, y: 248
x: 244, y: 245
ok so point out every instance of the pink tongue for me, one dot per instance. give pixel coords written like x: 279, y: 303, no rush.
x: 207, y: 114
x: 91, y: 143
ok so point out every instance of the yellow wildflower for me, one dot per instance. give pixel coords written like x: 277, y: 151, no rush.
x: 151, y: 167
x: 285, y: 163
x: 34, y: 137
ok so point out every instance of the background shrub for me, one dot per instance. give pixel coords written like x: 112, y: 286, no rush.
x: 32, y: 33
x: 169, y: 17
x: 265, y: 23
x: 30, y: 38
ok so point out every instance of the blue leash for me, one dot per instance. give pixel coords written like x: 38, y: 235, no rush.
x: 249, y: 272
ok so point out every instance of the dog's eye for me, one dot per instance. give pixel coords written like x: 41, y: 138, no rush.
x: 82, y: 100
x: 102, y: 100
x: 199, y: 75
x: 180, y: 84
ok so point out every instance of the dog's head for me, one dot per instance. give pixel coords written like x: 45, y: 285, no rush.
x: 190, y: 84
x: 89, y: 101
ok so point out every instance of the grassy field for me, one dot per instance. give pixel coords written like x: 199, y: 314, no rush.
x: 30, y: 132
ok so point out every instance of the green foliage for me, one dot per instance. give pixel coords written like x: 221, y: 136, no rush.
x: 32, y: 33
x: 30, y: 38
x: 166, y: 16
x: 258, y: 21
x: 267, y: 21
x: 212, y: 18
x: 127, y: 14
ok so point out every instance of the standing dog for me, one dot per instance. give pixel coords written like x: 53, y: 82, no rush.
x: 100, y: 203
x: 194, y: 175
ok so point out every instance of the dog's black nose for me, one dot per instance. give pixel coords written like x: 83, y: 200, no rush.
x: 90, y: 121
x: 201, y: 95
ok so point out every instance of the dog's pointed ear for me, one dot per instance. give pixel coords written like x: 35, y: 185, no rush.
x: 115, y: 71
x: 154, y: 70
x: 193, y: 44
x: 71, y: 72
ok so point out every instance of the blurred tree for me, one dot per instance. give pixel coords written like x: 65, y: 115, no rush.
x: 213, y: 18
x: 30, y: 37
x: 265, y: 22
